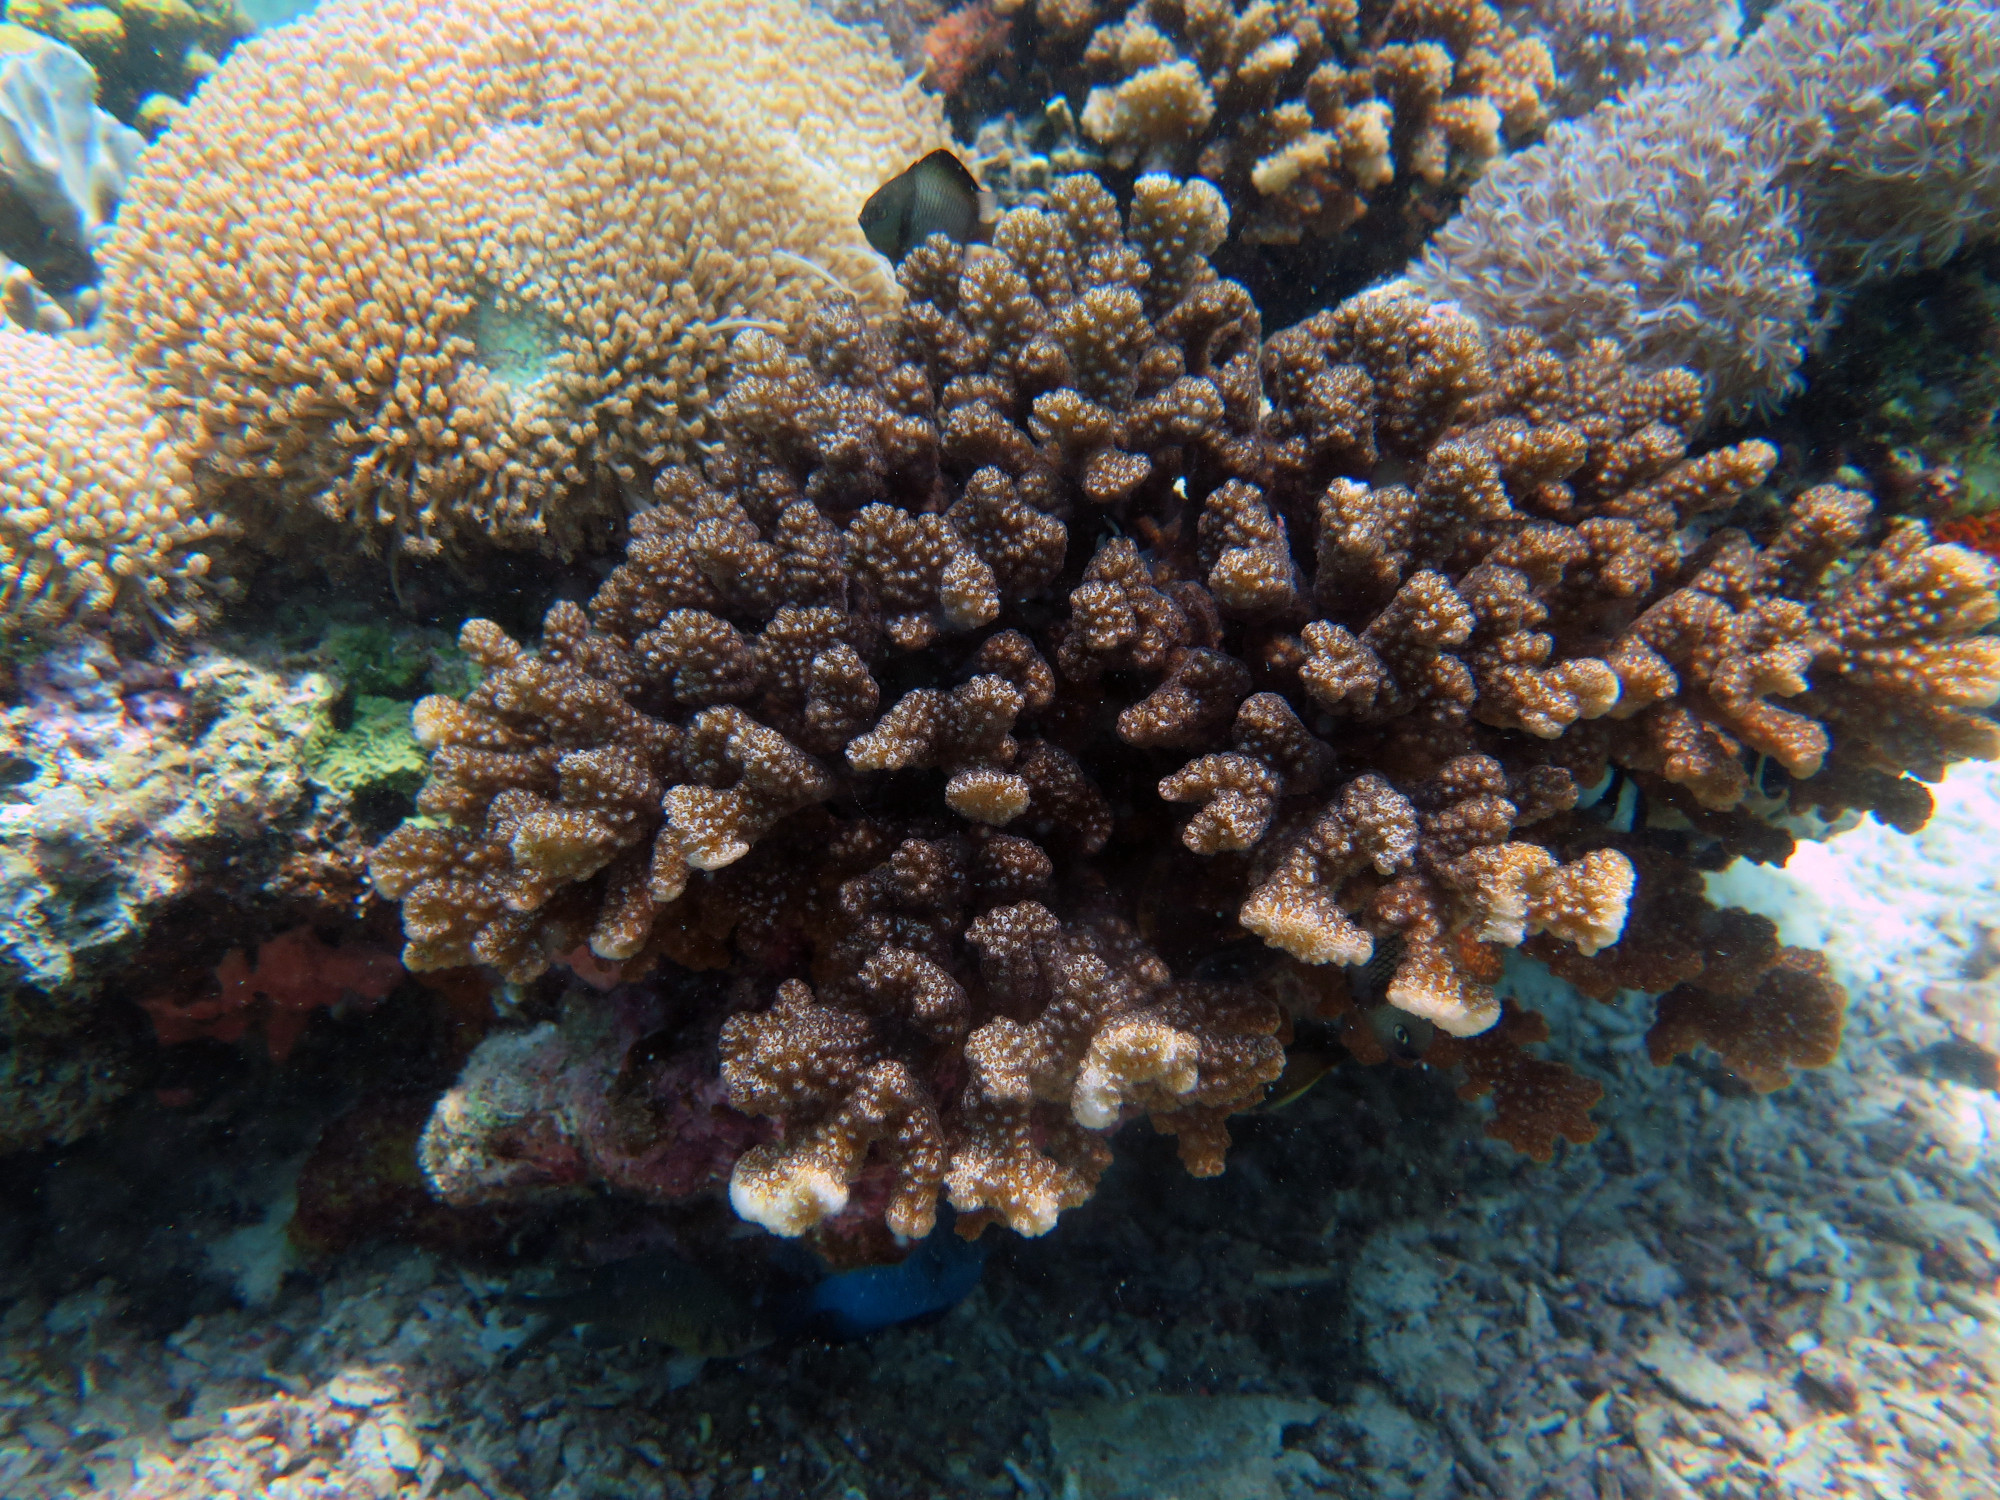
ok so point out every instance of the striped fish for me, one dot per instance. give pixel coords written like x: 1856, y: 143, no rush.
x: 936, y: 196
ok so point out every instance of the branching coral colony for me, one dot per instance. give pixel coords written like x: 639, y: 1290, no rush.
x: 1305, y: 111
x: 1011, y: 663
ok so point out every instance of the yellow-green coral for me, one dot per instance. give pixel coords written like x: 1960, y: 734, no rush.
x: 375, y: 753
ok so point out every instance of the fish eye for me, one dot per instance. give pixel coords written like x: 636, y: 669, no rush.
x: 1402, y: 1034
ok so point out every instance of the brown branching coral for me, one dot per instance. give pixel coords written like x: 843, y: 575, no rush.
x: 1305, y: 112
x: 1008, y: 662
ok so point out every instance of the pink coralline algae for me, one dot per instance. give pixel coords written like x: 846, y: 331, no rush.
x: 295, y: 975
x: 590, y: 1099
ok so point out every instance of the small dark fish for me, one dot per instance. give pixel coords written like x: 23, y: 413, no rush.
x: 1304, y: 1067
x: 936, y: 196
x: 660, y: 1299
x: 1369, y: 984
x: 1405, y: 1036
x: 1616, y: 802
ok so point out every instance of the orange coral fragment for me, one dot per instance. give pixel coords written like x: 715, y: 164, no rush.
x: 961, y: 44
x: 1792, y: 1019
x: 1534, y: 1101
x: 1980, y: 533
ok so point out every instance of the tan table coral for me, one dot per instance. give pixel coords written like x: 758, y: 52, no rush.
x: 1056, y: 692
x: 440, y: 277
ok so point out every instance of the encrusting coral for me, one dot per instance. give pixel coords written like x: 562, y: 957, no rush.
x: 1016, y: 669
x: 449, y: 277
x: 1304, y: 113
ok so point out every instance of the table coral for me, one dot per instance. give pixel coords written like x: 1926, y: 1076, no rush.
x: 401, y: 271
x: 1012, y: 665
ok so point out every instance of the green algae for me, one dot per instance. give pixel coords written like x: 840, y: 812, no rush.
x: 375, y: 753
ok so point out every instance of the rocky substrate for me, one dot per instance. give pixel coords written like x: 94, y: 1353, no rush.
x: 1725, y: 1295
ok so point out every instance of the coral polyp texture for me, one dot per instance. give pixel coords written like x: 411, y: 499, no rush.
x: 1043, y: 699
x: 1306, y: 112
x: 1689, y: 217
x: 449, y: 276
x: 1587, y: 235
x: 99, y: 518
x: 1887, y: 116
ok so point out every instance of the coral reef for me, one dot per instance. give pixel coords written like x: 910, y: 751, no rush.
x: 1886, y: 114
x: 1657, y: 221
x: 553, y: 1111
x: 63, y: 165
x: 962, y: 43
x: 375, y: 752
x: 152, y: 814
x: 1602, y: 48
x: 150, y: 55
x: 1980, y: 533
x: 1689, y: 221
x: 1306, y: 113
x: 98, y: 516
x: 535, y: 316
x: 1018, y: 160
x: 1013, y: 672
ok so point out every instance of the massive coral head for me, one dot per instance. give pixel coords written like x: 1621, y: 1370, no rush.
x: 445, y: 278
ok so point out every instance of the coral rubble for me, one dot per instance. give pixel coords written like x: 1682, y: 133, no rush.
x: 1008, y: 663
x: 400, y: 271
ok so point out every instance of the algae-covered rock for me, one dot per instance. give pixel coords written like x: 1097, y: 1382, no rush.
x: 137, y: 794
x: 1182, y: 1447
x: 375, y: 753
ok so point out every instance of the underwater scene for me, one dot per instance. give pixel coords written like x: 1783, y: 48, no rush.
x: 1038, y: 749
